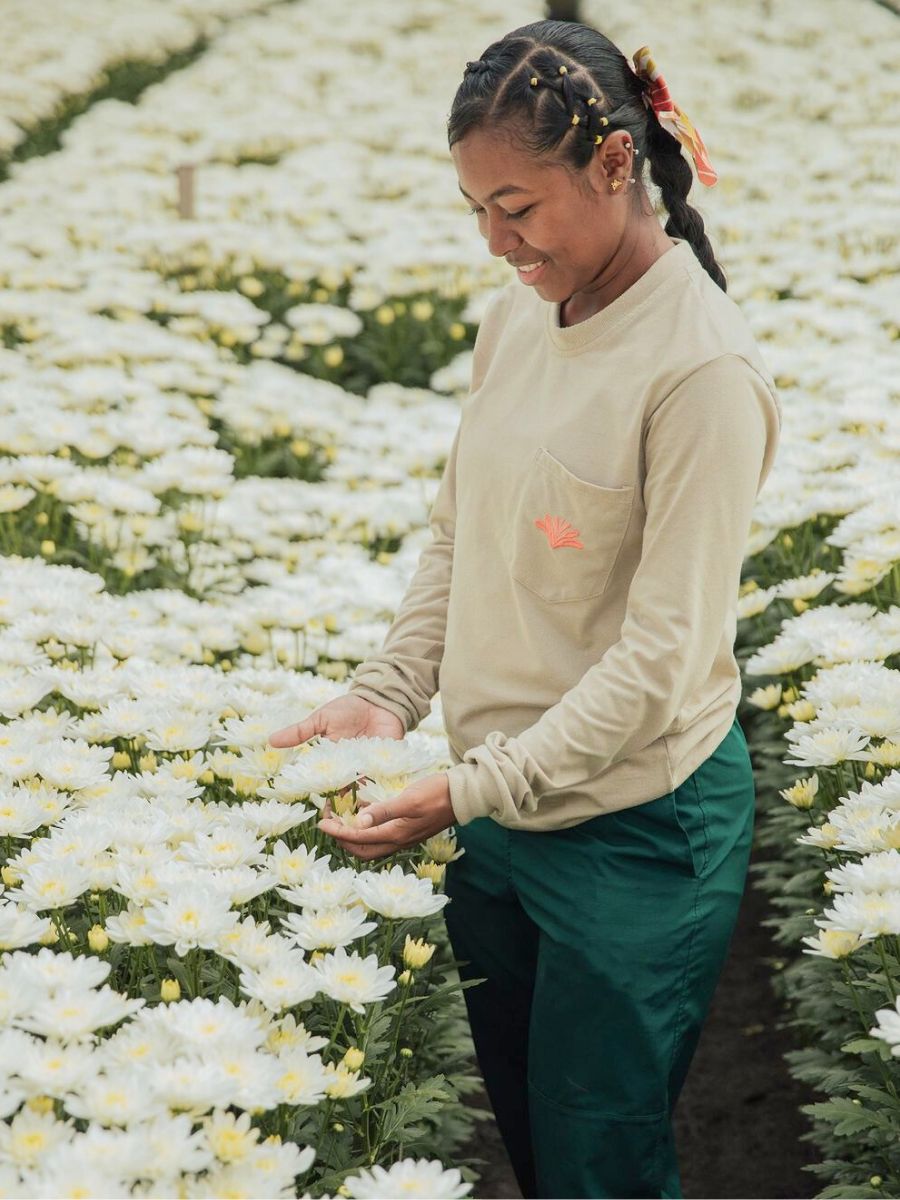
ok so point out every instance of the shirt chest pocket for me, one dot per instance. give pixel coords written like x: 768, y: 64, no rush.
x: 567, y: 533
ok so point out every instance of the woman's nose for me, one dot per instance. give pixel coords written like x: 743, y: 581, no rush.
x: 501, y: 240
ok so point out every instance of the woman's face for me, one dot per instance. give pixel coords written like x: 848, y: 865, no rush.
x: 546, y: 216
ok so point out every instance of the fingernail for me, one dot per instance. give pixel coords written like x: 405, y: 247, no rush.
x: 364, y: 820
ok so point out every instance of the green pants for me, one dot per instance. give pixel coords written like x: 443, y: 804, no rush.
x: 601, y: 946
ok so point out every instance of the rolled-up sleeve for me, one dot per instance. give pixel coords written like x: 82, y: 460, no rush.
x: 708, y: 448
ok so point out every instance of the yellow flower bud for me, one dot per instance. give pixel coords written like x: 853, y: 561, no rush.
x: 98, y: 939
x: 354, y: 1058
x: 170, y: 989
x: 422, y: 310
x: 405, y: 978
x: 251, y: 286
x: 10, y: 876
x: 147, y: 762
x: 333, y: 356
x: 48, y: 547
x: 121, y: 761
x: 40, y: 1104
x: 50, y: 938
x: 42, y: 518
x: 417, y: 952
x: 385, y: 315
x: 457, y: 331
x: 431, y: 870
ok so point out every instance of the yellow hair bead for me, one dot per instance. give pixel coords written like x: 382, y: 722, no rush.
x: 575, y: 119
x: 593, y: 100
x: 533, y: 81
x: 564, y: 70
x: 598, y: 138
x: 604, y: 120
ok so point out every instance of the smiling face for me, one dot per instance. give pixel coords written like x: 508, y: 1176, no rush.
x: 574, y: 223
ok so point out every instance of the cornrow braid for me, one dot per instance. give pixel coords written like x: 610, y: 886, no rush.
x: 586, y: 108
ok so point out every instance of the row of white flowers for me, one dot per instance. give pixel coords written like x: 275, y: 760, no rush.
x: 140, y: 805
x: 56, y: 51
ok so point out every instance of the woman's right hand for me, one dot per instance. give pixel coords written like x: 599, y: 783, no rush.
x: 346, y: 716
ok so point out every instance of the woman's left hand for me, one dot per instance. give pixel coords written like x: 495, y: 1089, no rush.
x: 383, y: 828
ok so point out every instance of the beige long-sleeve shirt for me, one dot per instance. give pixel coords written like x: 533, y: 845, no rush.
x: 577, y: 604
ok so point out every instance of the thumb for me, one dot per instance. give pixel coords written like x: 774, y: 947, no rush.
x: 292, y: 735
x: 377, y: 814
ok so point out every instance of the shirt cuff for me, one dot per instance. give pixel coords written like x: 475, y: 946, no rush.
x: 495, y: 779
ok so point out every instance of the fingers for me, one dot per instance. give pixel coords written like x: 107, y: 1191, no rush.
x: 366, y: 854
x: 352, y: 834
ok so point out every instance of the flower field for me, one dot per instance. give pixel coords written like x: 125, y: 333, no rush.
x: 238, y: 295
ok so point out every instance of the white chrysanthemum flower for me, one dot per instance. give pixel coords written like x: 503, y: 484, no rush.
x: 193, y: 917
x: 270, y: 817
x: 323, y: 888
x: 187, y: 1084
x: 226, y: 845
x: 417, y: 1177
x: 292, y: 866
x: 325, y: 766
x: 53, y: 884
x: 169, y: 1147
x: 185, y: 731
x: 20, y: 811
x: 205, y: 1026
x: 888, y: 1027
x: 354, y: 980
x: 327, y: 928
x: 805, y: 587
x: 250, y: 944
x: 129, y: 927
x: 832, y: 943
x: 395, y: 893
x: 30, y: 1136
x: 287, y: 1033
x: 20, y: 927
x: 302, y: 1078
x: 867, y: 913
x: 230, y: 1137
x: 824, y: 747
x: 48, y: 1067
x: 766, y: 697
x: 114, y: 1099
x: 874, y: 873
x: 285, y: 981
x: 76, y: 1016
x: 342, y: 1083
x: 75, y: 764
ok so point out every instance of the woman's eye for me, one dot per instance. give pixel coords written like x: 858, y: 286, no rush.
x: 514, y: 216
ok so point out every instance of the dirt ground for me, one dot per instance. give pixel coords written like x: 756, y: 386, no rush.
x: 737, y: 1122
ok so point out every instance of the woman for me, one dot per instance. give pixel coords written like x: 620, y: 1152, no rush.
x: 577, y: 609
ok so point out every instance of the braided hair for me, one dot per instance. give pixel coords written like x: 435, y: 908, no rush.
x: 557, y: 88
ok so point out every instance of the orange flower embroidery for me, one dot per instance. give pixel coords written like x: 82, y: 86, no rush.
x: 559, y: 532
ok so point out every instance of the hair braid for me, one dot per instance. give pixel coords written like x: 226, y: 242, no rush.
x: 671, y: 173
